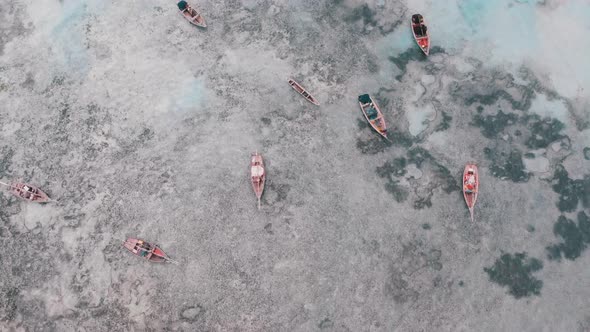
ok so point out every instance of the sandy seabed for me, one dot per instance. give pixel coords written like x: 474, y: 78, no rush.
x: 141, y: 125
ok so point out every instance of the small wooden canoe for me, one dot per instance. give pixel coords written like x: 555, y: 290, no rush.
x: 27, y: 192
x: 297, y: 87
x: 257, y: 175
x: 191, y: 14
x: 420, y: 32
x: 147, y: 250
x: 470, y: 186
x: 373, y: 114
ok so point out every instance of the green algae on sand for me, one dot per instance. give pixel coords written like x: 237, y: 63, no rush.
x: 515, y: 271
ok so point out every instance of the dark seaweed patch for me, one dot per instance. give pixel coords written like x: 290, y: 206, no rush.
x: 445, y: 122
x: 399, y: 138
x: 399, y: 193
x: 282, y: 190
x: 373, y: 146
x: 508, y: 166
x: 325, y: 324
x: 423, y: 202
x: 418, y: 155
x: 450, y: 183
x: 146, y: 135
x: 436, y: 50
x: 575, y: 237
x: 426, y: 226
x: 570, y: 191
x: 529, y: 155
x: 543, y: 131
x: 492, y: 125
x: 363, y: 12
x: 376, y: 143
x: 8, y: 303
x: 515, y: 271
x: 466, y: 93
x: 402, y: 60
x: 587, y: 153
x: 5, y: 160
x: 396, y: 167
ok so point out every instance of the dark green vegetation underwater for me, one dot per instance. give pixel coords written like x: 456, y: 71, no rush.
x: 575, y: 237
x: 515, y: 271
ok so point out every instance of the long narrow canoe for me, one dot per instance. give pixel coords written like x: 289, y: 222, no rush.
x: 27, y: 192
x: 420, y: 32
x: 373, y: 114
x: 470, y: 186
x: 147, y: 250
x: 257, y: 175
x: 191, y: 14
x: 297, y: 87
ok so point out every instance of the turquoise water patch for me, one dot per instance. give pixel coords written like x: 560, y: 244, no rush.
x: 395, y: 43
x: 472, y: 11
x: 190, y: 96
x: 67, y: 36
x: 502, y: 26
x: 68, y: 33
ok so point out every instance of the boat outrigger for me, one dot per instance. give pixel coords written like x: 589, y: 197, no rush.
x: 420, y: 32
x: 297, y: 87
x: 257, y: 175
x: 27, y: 192
x: 373, y: 114
x: 147, y: 250
x: 191, y: 14
x: 470, y: 186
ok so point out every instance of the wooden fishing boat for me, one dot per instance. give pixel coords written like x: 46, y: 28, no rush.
x: 373, y: 114
x: 191, y: 14
x: 147, y: 250
x: 297, y: 87
x: 257, y: 175
x: 470, y: 186
x: 27, y: 192
x: 420, y: 32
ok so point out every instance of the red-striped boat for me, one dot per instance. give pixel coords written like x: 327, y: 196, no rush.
x: 27, y: 192
x: 297, y: 87
x: 257, y: 175
x: 470, y: 186
x: 191, y: 14
x: 149, y: 251
x: 373, y: 114
x: 420, y: 32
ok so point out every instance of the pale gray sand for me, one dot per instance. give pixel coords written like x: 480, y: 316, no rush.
x: 142, y: 125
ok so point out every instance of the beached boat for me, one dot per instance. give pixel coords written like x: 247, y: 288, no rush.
x: 297, y: 87
x: 191, y: 14
x: 27, y: 192
x: 470, y: 186
x: 420, y: 32
x: 373, y: 114
x: 149, y: 251
x: 257, y: 175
